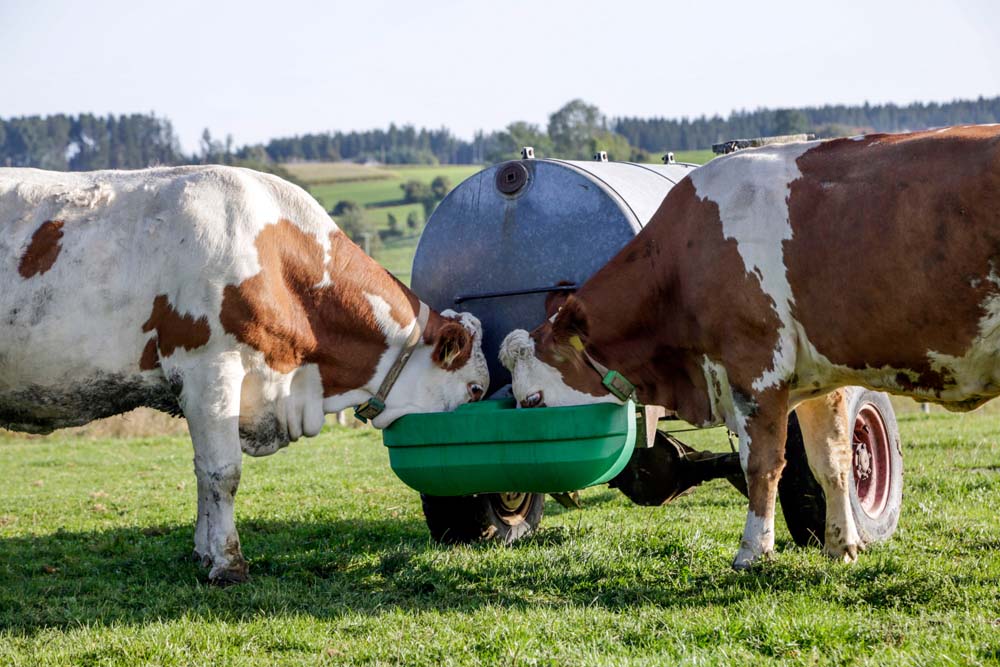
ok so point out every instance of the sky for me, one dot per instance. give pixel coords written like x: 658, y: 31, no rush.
x: 259, y: 70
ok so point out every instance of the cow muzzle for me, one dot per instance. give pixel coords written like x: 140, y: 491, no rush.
x: 476, y: 391
x: 534, y: 400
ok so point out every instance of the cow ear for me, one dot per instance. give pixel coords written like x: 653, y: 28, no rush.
x: 453, y: 346
x: 554, y: 300
x: 569, y: 325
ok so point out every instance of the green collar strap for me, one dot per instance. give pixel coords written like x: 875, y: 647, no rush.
x: 613, y: 381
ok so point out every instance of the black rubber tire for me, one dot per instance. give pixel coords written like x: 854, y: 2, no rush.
x: 481, y: 518
x: 802, y: 500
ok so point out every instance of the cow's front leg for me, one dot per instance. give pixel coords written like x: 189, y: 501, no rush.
x: 826, y: 433
x: 211, y: 401
x: 761, y: 425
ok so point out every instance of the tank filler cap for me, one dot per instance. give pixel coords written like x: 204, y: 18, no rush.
x: 511, y: 177
x: 601, y: 156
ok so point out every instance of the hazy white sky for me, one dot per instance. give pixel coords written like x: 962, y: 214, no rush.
x: 265, y: 69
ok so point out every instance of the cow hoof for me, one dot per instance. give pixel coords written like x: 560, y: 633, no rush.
x: 236, y: 572
x: 746, y: 559
x: 202, y: 559
x: 845, y: 553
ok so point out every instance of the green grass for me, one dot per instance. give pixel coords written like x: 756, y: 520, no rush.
x: 94, y: 535
x: 396, y: 255
x: 694, y: 157
x: 371, y: 186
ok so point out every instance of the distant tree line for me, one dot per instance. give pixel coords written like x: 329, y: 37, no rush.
x: 657, y: 134
x: 575, y: 131
x: 397, y: 145
x: 87, y: 141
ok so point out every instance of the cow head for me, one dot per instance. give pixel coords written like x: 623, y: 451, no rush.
x: 447, y: 369
x: 548, y: 365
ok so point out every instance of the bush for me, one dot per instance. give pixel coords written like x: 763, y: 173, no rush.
x: 415, y: 192
x: 346, y: 206
x: 440, y: 187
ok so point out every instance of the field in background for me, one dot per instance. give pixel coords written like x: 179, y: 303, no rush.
x: 377, y: 189
x: 94, y: 539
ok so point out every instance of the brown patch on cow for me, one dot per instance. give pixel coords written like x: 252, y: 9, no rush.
x: 895, y: 240
x: 149, y: 360
x: 673, y: 295
x: 173, y: 330
x: 43, y: 250
x: 552, y: 346
x: 284, y: 314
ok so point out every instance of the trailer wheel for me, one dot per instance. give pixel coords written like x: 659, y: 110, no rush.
x: 876, y: 483
x: 487, y: 517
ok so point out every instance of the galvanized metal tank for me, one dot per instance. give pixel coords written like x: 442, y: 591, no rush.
x: 506, y: 236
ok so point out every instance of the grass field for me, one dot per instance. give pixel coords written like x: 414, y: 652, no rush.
x: 94, y: 536
x: 377, y: 189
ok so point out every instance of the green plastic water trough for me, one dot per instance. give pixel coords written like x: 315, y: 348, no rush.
x: 491, y: 447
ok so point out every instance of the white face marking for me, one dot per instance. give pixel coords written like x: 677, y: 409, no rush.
x: 530, y: 374
x: 751, y: 189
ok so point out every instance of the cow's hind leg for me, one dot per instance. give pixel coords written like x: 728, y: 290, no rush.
x: 210, y: 400
x: 826, y: 433
x: 761, y: 425
x: 201, y: 550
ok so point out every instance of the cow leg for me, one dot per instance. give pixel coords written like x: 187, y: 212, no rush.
x: 211, y: 402
x: 201, y: 552
x: 826, y: 433
x: 762, y: 431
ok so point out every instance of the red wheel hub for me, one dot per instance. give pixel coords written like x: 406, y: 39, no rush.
x: 871, y: 460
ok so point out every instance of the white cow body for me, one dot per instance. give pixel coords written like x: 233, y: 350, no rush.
x: 127, y: 314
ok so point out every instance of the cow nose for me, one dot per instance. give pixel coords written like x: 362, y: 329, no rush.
x: 476, y: 391
x: 532, y: 400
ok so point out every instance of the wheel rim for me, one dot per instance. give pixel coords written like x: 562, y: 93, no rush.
x: 512, y: 508
x: 871, y: 460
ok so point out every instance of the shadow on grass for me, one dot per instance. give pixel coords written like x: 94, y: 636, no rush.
x: 332, y: 569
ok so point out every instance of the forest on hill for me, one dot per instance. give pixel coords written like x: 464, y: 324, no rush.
x: 575, y: 131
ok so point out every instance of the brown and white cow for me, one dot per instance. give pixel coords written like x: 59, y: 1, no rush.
x: 220, y: 293
x: 772, y: 276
